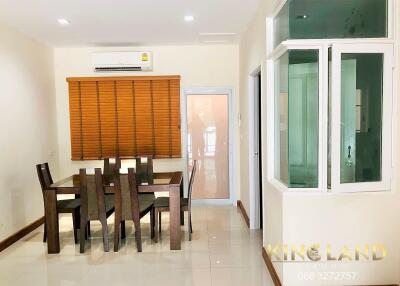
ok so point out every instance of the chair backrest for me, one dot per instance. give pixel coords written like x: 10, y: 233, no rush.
x: 144, y: 171
x: 126, y: 195
x: 44, y: 175
x: 92, y: 194
x: 111, y: 168
x: 134, y: 194
x: 191, y: 181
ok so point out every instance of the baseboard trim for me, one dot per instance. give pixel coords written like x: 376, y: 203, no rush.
x: 271, y: 268
x: 244, y: 213
x: 20, y: 234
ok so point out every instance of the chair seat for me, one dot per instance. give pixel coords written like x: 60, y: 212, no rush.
x: 147, y: 197
x: 163, y: 202
x: 145, y: 203
x: 109, y: 202
x: 70, y: 204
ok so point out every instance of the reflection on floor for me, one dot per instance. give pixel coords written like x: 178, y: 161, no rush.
x: 223, y: 252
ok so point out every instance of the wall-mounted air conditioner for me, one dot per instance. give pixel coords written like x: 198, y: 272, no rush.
x: 122, y: 61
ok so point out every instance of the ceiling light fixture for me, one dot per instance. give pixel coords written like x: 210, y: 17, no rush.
x: 63, y: 22
x: 216, y: 41
x: 302, y: 17
x: 189, y: 18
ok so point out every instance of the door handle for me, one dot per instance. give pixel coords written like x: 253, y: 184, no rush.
x: 349, y: 162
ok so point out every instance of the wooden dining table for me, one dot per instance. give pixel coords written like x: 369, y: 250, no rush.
x: 171, y: 182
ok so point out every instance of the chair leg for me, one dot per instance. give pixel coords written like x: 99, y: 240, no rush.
x: 123, y: 233
x: 190, y: 226
x: 117, y: 226
x: 138, y: 234
x: 159, y: 222
x: 104, y: 229
x: 45, y: 233
x: 75, y: 223
x: 116, y: 237
x: 88, y: 229
x: 106, y: 245
x: 156, y: 222
x: 82, y: 238
x: 152, y: 221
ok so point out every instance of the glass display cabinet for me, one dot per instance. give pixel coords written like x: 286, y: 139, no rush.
x: 331, y: 94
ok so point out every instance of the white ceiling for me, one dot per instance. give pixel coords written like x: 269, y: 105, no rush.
x: 128, y: 22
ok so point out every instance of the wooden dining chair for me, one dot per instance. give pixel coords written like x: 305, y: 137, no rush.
x: 71, y: 206
x: 144, y: 170
x: 130, y: 205
x: 110, y: 168
x: 144, y: 174
x: 162, y: 205
x: 95, y: 205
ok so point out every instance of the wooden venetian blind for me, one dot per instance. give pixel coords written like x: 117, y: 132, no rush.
x: 125, y: 117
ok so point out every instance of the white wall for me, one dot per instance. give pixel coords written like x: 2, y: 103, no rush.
x: 27, y: 121
x: 252, y: 56
x: 199, y: 66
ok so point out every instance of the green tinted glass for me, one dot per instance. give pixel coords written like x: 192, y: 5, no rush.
x: 330, y: 19
x: 296, y: 111
x: 361, y: 118
x: 303, y: 118
x: 281, y: 25
x: 281, y: 118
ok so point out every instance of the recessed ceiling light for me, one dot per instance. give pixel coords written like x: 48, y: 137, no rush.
x: 63, y: 22
x: 189, y: 18
x: 215, y: 41
x: 217, y: 34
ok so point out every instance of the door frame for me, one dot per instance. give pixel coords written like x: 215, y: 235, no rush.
x: 255, y: 212
x: 229, y: 91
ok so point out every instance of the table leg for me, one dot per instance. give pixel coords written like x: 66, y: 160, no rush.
x: 175, y: 210
x: 51, y: 216
x: 182, y: 212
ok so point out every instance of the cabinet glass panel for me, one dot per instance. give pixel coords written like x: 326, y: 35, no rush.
x: 281, y: 71
x: 281, y: 25
x: 361, y: 118
x: 303, y: 119
x: 296, y: 111
x: 331, y: 19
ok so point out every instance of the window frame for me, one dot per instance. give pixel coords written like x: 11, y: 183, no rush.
x: 387, y: 110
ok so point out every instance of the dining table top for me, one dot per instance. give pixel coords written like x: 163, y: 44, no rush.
x: 158, y: 182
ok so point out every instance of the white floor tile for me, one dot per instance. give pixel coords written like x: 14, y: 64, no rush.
x: 222, y: 252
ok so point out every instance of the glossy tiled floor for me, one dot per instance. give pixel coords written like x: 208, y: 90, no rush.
x: 223, y: 252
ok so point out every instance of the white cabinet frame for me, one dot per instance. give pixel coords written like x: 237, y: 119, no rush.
x: 387, y: 106
x: 322, y: 114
